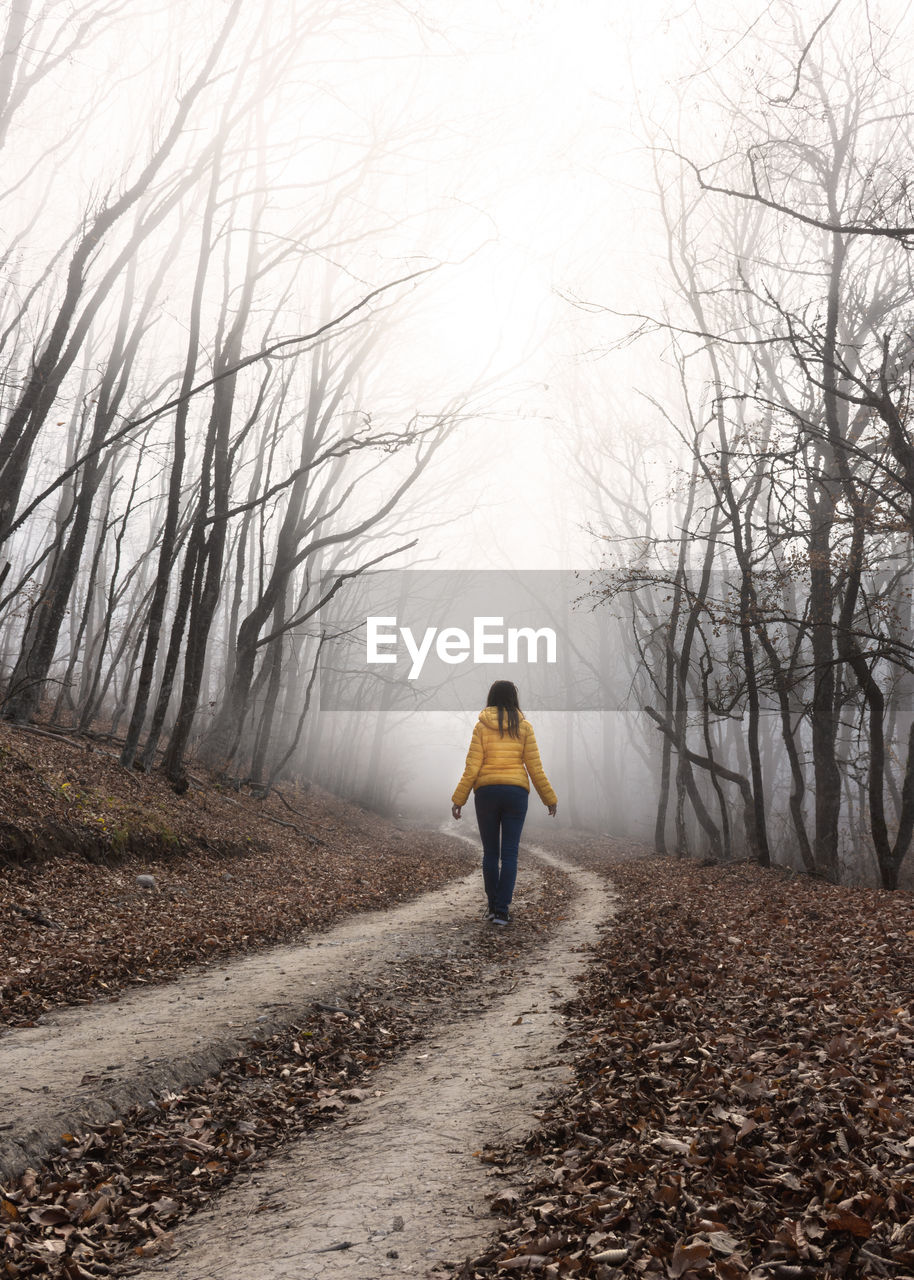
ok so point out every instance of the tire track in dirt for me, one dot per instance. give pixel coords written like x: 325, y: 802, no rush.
x: 87, y: 1064
x: 399, y: 1186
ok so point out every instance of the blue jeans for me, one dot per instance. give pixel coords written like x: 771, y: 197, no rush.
x: 500, y: 812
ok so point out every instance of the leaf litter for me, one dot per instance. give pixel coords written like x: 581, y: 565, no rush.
x: 743, y: 1095
x: 116, y: 1191
x: 75, y: 924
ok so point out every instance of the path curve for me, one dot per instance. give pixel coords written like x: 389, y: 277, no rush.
x: 87, y: 1064
x: 400, y: 1183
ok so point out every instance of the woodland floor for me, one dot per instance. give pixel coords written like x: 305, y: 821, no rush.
x: 743, y: 1100
x: 660, y: 1070
x: 233, y: 873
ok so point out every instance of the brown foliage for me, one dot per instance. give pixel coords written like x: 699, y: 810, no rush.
x: 743, y: 1097
x: 117, y: 1190
x: 231, y: 873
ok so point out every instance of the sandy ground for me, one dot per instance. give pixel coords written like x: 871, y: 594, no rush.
x: 88, y: 1063
x: 399, y: 1185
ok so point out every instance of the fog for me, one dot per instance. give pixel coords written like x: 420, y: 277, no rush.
x: 311, y: 303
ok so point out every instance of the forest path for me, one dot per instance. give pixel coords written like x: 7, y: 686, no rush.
x: 88, y: 1063
x: 397, y: 1185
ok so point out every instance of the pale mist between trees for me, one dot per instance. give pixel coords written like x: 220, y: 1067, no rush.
x: 295, y: 293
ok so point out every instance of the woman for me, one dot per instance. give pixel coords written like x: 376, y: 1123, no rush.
x: 502, y: 753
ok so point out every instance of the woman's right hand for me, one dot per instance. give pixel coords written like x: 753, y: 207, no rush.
x: 455, y: 809
x: 552, y: 809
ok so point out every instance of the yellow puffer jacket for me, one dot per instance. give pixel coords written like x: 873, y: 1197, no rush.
x: 493, y: 759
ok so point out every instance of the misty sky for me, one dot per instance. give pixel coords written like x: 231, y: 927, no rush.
x: 506, y: 141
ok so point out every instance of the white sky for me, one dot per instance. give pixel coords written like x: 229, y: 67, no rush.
x: 517, y: 161
x: 545, y: 189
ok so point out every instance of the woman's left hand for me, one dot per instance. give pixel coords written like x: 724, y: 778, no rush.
x: 455, y: 810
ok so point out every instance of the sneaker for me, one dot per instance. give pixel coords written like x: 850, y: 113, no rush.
x: 490, y: 913
x: 500, y: 917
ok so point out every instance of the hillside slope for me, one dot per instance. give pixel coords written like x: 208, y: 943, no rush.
x: 231, y: 872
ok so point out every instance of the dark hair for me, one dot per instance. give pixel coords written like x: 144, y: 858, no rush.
x: 503, y: 695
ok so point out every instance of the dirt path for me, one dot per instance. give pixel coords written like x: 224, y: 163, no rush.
x: 400, y: 1185
x: 88, y: 1063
